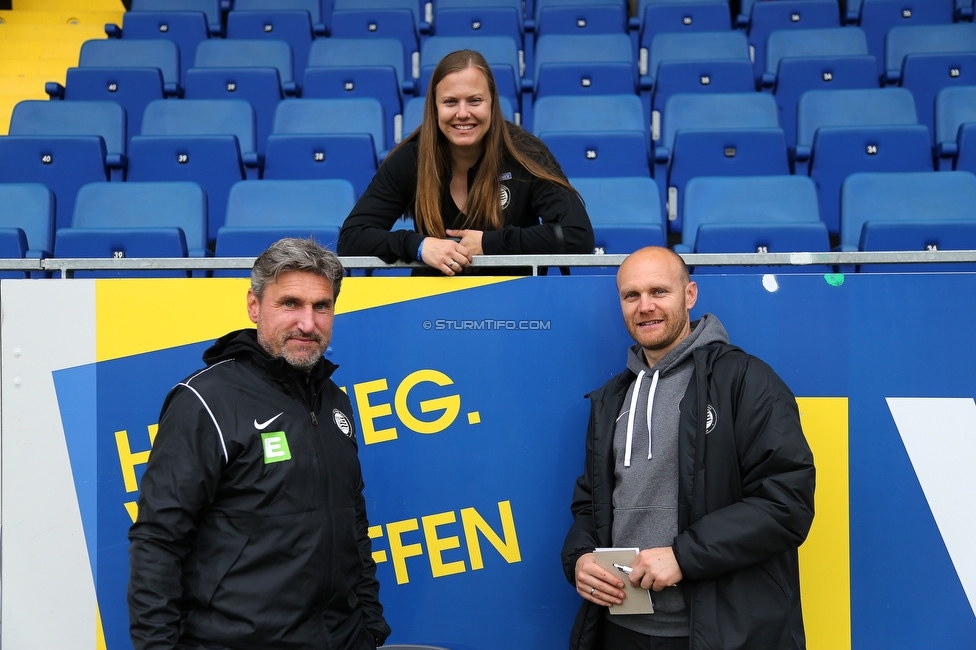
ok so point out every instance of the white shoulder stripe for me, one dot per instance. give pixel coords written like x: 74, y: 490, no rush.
x: 220, y: 433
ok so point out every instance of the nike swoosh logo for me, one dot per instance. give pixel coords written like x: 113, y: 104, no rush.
x: 262, y: 425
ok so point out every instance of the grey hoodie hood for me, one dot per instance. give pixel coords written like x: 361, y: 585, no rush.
x: 705, y: 330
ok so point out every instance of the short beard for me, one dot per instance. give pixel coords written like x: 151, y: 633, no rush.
x: 306, y: 364
x: 278, y: 351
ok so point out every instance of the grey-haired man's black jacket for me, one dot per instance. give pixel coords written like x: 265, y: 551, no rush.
x: 252, y: 529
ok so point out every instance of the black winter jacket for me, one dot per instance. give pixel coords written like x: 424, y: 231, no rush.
x: 745, y: 503
x: 245, y: 540
x: 539, y: 216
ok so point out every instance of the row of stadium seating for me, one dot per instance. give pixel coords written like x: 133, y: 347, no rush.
x: 722, y: 215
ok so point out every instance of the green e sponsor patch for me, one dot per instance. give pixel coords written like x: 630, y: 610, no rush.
x: 275, y: 446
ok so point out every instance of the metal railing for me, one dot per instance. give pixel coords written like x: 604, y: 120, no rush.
x: 779, y: 262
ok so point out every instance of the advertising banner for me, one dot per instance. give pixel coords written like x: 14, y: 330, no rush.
x: 468, y: 396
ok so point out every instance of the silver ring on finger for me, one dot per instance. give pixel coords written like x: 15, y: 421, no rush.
x: 451, y: 265
x: 592, y: 589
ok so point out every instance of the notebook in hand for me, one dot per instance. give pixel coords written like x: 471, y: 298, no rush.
x: 637, y: 600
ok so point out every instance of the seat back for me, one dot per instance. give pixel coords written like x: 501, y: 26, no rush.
x: 879, y: 16
x: 356, y: 53
x: 953, y: 108
x: 30, y: 208
x: 606, y: 112
x: 859, y: 107
x: 721, y: 152
x: 717, y: 111
x: 292, y: 27
x: 925, y: 39
x: 119, y: 243
x: 939, y: 196
x: 62, y: 163
x: 807, y: 43
x: 375, y: 82
x: 699, y: 46
x: 261, y: 212
x: 135, y: 53
x: 712, y: 76
x: 248, y: 53
x: 312, y: 7
x: 299, y: 157
x: 375, y: 24
x: 332, y: 116
x: 625, y: 212
x: 481, y: 20
x: 925, y: 75
x: 135, y: 205
x: 683, y: 17
x: 212, y: 161
x: 132, y: 88
x: 260, y: 87
x: 589, y: 154
x: 588, y: 51
x: 190, y: 117
x: 839, y: 151
x: 921, y: 235
x: 747, y: 200
x: 799, y: 75
x: 185, y: 28
x: 790, y: 16
x: 210, y: 8
x: 105, y: 119
x: 581, y: 18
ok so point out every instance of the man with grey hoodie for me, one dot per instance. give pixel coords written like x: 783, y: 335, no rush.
x: 694, y: 454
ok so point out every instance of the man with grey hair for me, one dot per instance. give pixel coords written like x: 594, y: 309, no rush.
x: 252, y: 529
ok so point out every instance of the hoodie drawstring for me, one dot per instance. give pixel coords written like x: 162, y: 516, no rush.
x: 633, y: 411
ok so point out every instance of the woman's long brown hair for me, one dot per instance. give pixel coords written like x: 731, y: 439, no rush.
x: 483, y: 210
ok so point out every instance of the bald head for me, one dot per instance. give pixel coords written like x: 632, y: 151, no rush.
x: 654, y: 256
x: 656, y: 296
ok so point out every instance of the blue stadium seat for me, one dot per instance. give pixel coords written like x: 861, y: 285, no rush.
x: 681, y: 17
x: 865, y: 107
x: 207, y: 117
x: 757, y: 214
x: 106, y: 120
x: 839, y: 151
x: 185, y: 28
x: 27, y: 209
x: 357, y: 53
x: 132, y: 88
x: 400, y: 24
x: 815, y: 59
x: 787, y: 15
x: 581, y: 17
x: 292, y: 27
x: 954, y: 107
x: 901, y: 42
x: 923, y: 210
x: 595, y: 154
x: 260, y: 87
x: 590, y: 56
x: 319, y: 13
x: 13, y: 245
x: 136, y: 220
x: 210, y: 8
x: 586, y: 114
x: 701, y: 46
x: 501, y: 53
x: 135, y: 53
x: 217, y: 53
x: 709, y: 76
x: 261, y: 212
x: 307, y: 157
x: 624, y: 212
x: 372, y: 82
x: 333, y: 116
x: 879, y: 16
x: 811, y: 43
x: 463, y: 19
x: 62, y: 163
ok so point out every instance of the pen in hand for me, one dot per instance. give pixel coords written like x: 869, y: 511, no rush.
x: 623, y: 568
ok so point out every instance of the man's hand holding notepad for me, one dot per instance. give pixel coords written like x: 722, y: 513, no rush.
x: 617, y: 562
